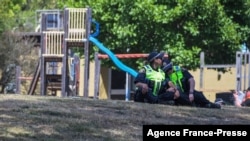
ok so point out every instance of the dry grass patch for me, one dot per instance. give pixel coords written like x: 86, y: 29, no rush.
x: 49, y: 118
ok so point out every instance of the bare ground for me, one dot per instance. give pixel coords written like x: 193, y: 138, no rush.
x: 28, y: 118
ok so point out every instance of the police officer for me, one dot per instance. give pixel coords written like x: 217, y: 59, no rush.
x: 185, y: 83
x: 151, y: 83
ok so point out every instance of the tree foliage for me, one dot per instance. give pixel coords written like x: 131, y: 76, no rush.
x: 16, y: 51
x: 179, y: 27
x: 8, y: 10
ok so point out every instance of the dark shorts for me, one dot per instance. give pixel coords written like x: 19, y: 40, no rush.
x: 246, y: 103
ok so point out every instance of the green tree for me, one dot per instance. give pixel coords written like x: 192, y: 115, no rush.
x: 16, y: 51
x: 181, y: 28
x: 8, y: 10
x: 239, y: 12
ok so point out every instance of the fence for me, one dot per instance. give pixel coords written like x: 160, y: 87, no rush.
x: 242, y: 70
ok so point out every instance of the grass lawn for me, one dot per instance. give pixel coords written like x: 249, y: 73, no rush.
x: 47, y: 118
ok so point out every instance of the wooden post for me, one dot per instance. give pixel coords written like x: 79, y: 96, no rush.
x: 86, y: 53
x: 202, y: 64
x: 97, y: 76
x: 238, y: 71
x: 18, y: 80
x: 43, y: 66
x: 248, y: 63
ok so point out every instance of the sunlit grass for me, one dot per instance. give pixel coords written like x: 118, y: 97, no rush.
x: 24, y: 117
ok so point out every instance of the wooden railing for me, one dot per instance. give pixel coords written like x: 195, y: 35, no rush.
x: 76, y: 24
x: 53, y: 43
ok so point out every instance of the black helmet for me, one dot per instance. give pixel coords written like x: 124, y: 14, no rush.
x: 166, y: 65
x: 154, y: 55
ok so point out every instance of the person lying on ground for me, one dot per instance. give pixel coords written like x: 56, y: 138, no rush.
x: 242, y: 99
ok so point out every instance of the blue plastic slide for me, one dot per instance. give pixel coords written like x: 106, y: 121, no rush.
x: 117, y: 62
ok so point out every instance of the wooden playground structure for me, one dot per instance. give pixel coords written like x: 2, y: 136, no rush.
x: 72, y: 30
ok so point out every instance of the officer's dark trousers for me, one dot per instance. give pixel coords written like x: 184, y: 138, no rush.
x: 150, y: 98
x: 199, y: 99
x: 165, y: 97
x: 183, y: 100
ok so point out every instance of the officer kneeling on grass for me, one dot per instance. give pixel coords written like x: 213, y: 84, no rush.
x: 185, y: 83
x: 150, y: 83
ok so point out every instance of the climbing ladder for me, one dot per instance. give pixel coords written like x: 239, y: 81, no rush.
x: 52, y: 52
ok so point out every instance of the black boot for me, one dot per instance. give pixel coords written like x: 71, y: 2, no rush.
x: 138, y: 96
x: 213, y: 105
